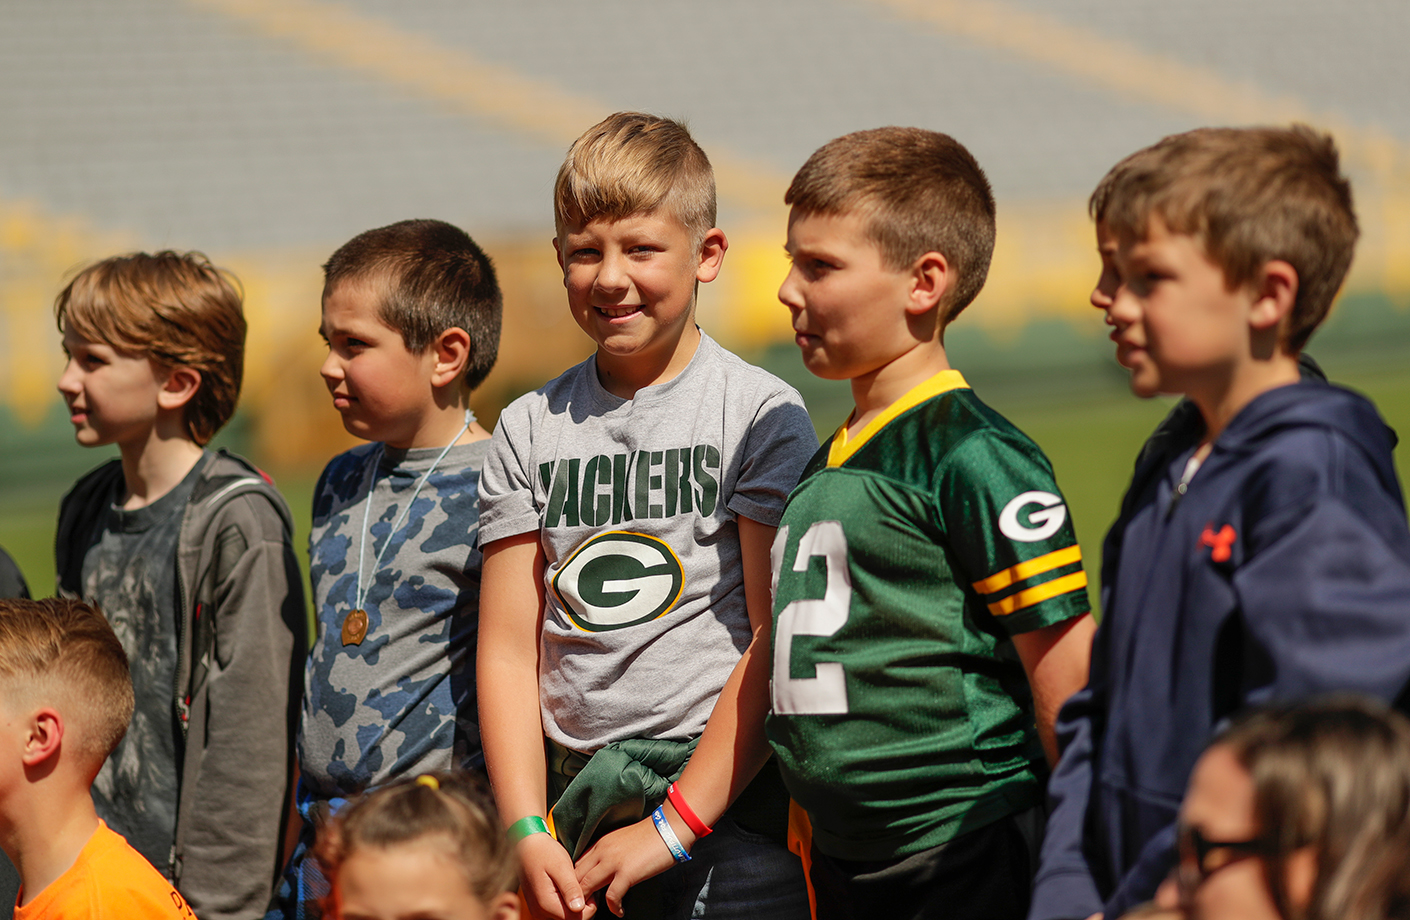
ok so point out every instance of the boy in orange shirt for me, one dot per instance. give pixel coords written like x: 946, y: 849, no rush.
x: 65, y: 701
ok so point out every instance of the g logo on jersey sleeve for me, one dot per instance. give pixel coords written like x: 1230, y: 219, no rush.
x: 619, y: 579
x: 1046, y: 521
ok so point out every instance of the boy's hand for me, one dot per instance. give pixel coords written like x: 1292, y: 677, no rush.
x: 628, y: 856
x: 549, y: 884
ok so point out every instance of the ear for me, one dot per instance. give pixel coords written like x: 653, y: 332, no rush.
x: 504, y: 907
x: 1274, y: 291
x: 558, y: 254
x: 451, y: 351
x: 712, y: 255
x: 930, y: 279
x: 180, y: 386
x: 43, y: 737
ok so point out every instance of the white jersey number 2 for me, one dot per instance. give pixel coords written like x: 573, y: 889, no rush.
x: 826, y: 693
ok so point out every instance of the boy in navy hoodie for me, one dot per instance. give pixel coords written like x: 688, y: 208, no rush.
x: 1262, y: 549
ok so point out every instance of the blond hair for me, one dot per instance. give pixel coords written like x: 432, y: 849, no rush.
x: 1250, y: 196
x: 630, y: 163
x: 63, y: 653
x: 176, y: 308
x: 451, y: 806
x: 918, y: 191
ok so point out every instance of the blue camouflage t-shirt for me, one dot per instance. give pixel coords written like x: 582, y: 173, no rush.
x: 402, y: 700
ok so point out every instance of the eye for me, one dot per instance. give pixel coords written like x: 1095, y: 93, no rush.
x: 1142, y: 283
x: 814, y: 268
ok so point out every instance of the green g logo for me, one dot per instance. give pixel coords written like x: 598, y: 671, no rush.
x: 619, y: 579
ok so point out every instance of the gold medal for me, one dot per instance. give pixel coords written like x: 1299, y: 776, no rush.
x: 355, y: 623
x: 355, y: 627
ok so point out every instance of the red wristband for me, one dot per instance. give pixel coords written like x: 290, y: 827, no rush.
x: 692, y: 821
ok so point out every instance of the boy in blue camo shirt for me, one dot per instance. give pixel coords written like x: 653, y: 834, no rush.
x: 411, y: 315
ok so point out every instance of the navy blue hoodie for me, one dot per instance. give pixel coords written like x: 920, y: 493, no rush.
x: 1282, y: 571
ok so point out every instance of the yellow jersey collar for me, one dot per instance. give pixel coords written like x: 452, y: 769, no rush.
x: 843, y: 447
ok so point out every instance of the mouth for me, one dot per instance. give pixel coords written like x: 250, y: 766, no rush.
x: 78, y: 416
x: 341, y: 401
x: 1126, y: 351
x: 619, y: 312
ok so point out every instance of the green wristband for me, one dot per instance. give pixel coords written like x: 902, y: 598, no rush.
x: 526, y: 827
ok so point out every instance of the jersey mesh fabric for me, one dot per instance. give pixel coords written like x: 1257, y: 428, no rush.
x: 905, y: 559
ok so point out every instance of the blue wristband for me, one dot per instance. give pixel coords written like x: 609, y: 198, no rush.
x: 673, y: 843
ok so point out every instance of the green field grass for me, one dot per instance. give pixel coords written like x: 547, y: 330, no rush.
x: 1089, y: 425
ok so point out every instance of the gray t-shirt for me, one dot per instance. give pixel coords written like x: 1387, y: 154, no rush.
x: 402, y: 700
x: 129, y: 571
x: 635, y: 503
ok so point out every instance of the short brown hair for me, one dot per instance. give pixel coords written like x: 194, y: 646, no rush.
x: 630, y: 163
x: 433, y: 277
x: 919, y: 191
x: 449, y: 805
x: 1249, y: 195
x: 1332, y: 774
x: 64, y: 652
x: 175, y: 307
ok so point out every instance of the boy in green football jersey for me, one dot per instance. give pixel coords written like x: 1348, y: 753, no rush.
x: 930, y: 608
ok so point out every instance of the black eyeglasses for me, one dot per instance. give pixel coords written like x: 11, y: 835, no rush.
x: 1195, y: 848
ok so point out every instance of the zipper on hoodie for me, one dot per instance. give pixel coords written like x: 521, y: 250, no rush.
x: 1183, y: 486
x: 183, y: 698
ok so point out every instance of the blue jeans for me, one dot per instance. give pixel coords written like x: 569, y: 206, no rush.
x: 733, y: 874
x: 302, y: 887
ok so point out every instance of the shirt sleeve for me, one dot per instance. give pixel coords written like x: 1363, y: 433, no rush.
x: 507, y: 506
x: 1010, y: 529
x: 1064, y: 888
x: 1324, y: 595
x: 254, y: 689
x: 779, y: 444
x: 1328, y: 599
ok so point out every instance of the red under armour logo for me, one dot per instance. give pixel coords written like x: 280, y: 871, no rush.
x: 1220, y: 543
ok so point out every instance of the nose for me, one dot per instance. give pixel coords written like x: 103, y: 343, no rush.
x: 1107, y: 285
x: 1122, y: 307
x: 69, y: 380
x: 1104, y: 292
x: 1167, y: 896
x: 612, y: 276
x: 332, y: 368
x: 788, y: 291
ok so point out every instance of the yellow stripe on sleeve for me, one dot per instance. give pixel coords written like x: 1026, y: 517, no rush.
x: 1025, y: 570
x: 1031, y: 596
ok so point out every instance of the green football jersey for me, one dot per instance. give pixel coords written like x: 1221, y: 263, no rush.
x: 905, y: 559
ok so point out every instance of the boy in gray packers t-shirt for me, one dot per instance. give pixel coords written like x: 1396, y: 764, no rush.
x: 635, y: 503
x: 627, y: 509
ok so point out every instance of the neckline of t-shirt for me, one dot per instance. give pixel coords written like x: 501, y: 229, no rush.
x: 137, y: 520
x: 417, y: 459
x: 655, y: 392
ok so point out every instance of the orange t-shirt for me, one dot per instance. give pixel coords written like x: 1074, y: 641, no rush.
x: 109, y: 881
